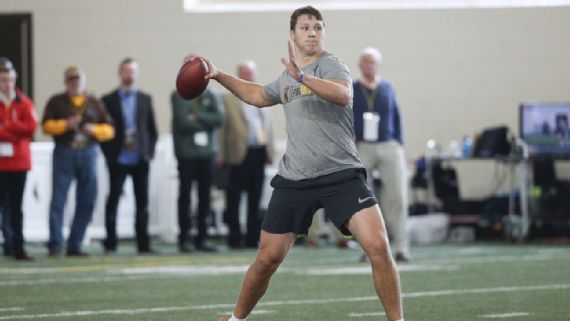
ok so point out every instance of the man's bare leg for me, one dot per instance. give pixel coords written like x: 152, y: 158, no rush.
x: 272, y: 250
x: 368, y: 227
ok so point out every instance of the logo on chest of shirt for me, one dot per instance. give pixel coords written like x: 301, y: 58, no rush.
x: 294, y: 92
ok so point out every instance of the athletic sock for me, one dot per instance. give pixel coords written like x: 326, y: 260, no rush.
x: 233, y: 318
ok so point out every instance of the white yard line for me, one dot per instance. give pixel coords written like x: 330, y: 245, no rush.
x: 487, y: 290
x: 95, y: 312
x: 188, y: 270
x: 11, y: 309
x: 498, y: 259
x: 46, y: 281
x: 182, y: 271
x: 354, y: 270
x: 290, y: 302
x: 254, y: 312
x: 366, y: 314
x: 427, y: 264
x: 157, y: 272
x: 506, y: 315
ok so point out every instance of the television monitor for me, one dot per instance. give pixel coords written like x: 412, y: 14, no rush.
x: 545, y: 127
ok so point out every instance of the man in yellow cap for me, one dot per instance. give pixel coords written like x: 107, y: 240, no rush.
x: 77, y: 121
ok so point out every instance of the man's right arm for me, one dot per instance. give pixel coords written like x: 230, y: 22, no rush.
x: 249, y: 92
x: 53, y: 125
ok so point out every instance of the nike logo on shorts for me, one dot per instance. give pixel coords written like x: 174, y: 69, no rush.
x: 362, y: 200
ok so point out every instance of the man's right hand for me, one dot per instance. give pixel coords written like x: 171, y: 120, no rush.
x: 249, y: 92
x: 213, y: 70
x: 73, y: 123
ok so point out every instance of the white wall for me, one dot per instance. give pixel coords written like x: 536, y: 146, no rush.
x: 456, y: 71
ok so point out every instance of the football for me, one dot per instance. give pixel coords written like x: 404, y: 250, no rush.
x: 190, y: 82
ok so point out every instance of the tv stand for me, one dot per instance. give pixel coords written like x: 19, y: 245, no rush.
x: 520, y: 173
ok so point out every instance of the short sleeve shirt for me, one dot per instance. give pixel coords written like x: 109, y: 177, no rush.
x: 320, y: 134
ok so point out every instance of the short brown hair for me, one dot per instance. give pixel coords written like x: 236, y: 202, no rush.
x: 125, y: 61
x: 308, y: 10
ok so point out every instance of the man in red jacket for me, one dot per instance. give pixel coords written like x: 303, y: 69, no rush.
x: 18, y: 121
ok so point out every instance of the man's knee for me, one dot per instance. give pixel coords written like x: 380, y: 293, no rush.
x: 377, y: 249
x: 267, y: 263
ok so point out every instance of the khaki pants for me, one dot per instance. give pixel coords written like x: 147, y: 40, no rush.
x: 388, y: 158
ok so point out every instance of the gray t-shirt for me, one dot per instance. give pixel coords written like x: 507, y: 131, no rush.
x: 320, y: 134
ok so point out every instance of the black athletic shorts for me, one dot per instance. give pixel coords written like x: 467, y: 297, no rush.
x: 293, y: 203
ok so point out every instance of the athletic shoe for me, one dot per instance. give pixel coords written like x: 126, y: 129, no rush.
x: 184, y: 247
x: 76, y: 253
x: 311, y: 244
x: 22, y: 256
x: 403, y: 257
x: 342, y: 244
x: 53, y: 252
x: 8, y: 252
x: 148, y: 251
x: 206, y: 247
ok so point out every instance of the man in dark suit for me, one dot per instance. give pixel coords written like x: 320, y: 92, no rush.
x: 129, y: 153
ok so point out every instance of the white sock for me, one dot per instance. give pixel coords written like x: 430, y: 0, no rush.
x: 233, y: 318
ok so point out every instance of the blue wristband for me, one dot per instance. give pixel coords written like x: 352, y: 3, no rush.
x: 301, y: 77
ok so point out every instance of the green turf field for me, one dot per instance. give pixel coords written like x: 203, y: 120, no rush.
x: 444, y: 283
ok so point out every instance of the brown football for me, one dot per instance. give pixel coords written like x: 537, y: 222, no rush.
x: 190, y: 82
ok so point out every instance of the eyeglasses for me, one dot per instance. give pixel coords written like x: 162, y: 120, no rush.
x: 72, y: 77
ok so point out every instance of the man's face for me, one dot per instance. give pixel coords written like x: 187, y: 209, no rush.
x: 128, y: 73
x: 369, y: 66
x: 309, y: 34
x: 7, y: 82
x: 75, y: 83
x: 246, y: 72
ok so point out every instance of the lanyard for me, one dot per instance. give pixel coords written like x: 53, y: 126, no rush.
x: 369, y: 96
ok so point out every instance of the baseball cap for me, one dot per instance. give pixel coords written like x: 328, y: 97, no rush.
x: 72, y: 71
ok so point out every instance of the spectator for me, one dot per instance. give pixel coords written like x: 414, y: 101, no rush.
x: 77, y: 121
x: 18, y: 121
x: 246, y: 145
x: 378, y: 130
x: 193, y: 125
x: 129, y: 153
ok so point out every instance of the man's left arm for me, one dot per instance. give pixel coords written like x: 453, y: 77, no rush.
x: 25, y: 125
x: 336, y: 91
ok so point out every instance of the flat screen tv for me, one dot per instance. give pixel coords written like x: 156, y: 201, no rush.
x: 545, y: 127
